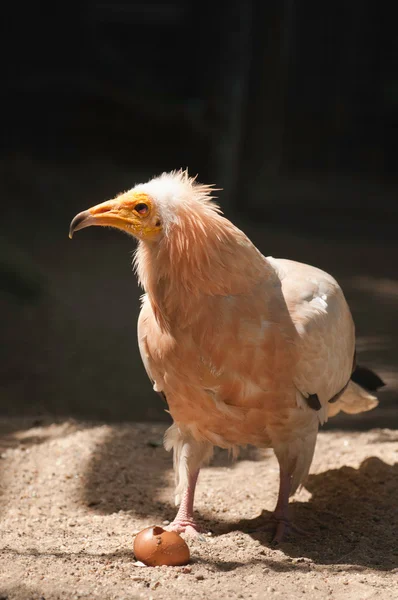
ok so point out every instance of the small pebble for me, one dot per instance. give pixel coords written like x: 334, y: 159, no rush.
x: 186, y: 570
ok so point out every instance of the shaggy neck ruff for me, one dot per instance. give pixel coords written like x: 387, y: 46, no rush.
x: 200, y: 254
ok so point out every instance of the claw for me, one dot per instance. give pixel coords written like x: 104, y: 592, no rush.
x: 190, y: 528
x: 283, y: 527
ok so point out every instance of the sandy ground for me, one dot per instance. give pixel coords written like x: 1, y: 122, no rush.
x: 73, y: 494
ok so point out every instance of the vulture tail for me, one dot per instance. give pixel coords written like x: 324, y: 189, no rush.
x: 367, y: 379
x: 357, y: 397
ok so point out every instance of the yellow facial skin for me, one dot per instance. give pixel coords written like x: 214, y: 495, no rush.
x: 132, y: 212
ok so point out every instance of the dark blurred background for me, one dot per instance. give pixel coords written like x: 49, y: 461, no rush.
x: 291, y: 107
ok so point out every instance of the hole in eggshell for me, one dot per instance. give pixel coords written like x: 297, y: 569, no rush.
x: 158, y: 531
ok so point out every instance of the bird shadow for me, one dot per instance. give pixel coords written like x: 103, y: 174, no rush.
x: 127, y: 471
x: 131, y: 472
x: 351, y: 519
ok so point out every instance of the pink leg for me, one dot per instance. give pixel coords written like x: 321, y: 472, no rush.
x: 281, y: 512
x: 184, y: 521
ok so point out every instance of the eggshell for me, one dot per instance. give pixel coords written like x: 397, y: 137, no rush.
x: 155, y: 546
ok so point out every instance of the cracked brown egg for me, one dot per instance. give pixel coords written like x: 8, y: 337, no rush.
x: 154, y: 546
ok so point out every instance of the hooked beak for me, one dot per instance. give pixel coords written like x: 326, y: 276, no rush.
x: 83, y: 219
x: 108, y: 213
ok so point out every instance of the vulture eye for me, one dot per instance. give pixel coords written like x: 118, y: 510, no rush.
x: 141, y: 208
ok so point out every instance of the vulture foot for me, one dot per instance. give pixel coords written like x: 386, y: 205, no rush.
x: 284, y: 527
x: 187, y: 526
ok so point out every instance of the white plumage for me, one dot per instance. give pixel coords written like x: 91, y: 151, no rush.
x: 246, y: 349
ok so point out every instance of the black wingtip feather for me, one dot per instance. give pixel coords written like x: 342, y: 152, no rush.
x: 367, y: 379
